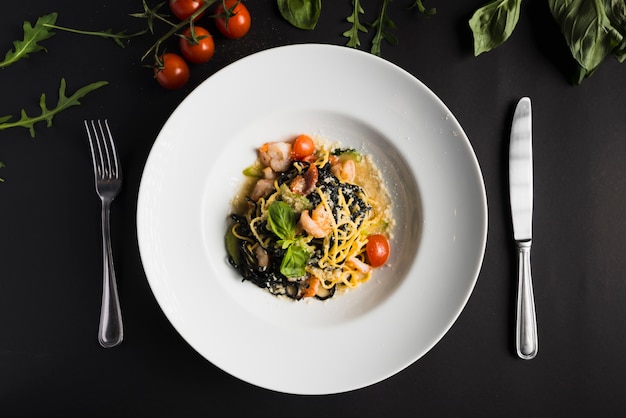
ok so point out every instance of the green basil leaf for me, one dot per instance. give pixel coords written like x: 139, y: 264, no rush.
x: 302, y: 14
x: 282, y: 220
x: 493, y: 24
x: 593, y: 29
x: 232, y: 246
x: 255, y: 170
x: 294, y: 262
x: 617, y: 15
x: 616, y: 12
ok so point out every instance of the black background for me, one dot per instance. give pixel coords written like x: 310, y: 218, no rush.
x: 50, y: 266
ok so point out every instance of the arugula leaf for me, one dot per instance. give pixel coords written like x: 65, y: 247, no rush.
x: 383, y: 26
x: 593, y: 29
x: 149, y: 14
x: 32, y: 35
x: 2, y: 166
x: 494, y: 23
x: 420, y: 6
x: 357, y: 26
x: 302, y: 14
x: 47, y: 114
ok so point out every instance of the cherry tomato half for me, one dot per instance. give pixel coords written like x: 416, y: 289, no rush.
x: 377, y: 249
x: 234, y: 20
x: 198, y: 51
x: 173, y: 72
x: 302, y: 147
x: 182, y: 9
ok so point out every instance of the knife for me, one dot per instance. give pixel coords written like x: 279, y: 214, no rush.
x: 521, y: 195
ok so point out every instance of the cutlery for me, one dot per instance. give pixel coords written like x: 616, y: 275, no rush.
x: 521, y: 196
x: 108, y: 174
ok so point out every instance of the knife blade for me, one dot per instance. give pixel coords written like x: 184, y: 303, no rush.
x: 521, y: 199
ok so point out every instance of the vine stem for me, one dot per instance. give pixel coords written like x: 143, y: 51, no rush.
x: 175, y: 28
x: 103, y: 34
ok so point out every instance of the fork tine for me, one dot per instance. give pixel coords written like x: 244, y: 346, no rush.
x: 94, y: 144
x: 109, y: 149
x: 103, y: 151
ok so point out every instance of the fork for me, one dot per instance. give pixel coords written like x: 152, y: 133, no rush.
x: 108, y: 174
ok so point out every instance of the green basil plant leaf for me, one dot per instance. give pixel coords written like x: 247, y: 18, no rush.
x: 493, y: 24
x: 232, y: 246
x: 302, y: 14
x: 294, y: 262
x: 282, y: 220
x: 593, y: 29
x: 617, y: 15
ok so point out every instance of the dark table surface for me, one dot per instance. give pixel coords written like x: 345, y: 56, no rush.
x: 50, y: 262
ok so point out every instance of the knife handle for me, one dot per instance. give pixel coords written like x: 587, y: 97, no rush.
x: 526, y: 321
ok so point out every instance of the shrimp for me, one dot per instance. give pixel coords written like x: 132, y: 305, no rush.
x: 345, y: 171
x: 359, y: 265
x: 269, y: 174
x: 262, y: 188
x: 305, y: 184
x: 276, y: 155
x: 262, y: 257
x: 310, y: 289
x: 318, y: 224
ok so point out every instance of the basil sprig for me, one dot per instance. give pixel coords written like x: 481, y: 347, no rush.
x: 282, y: 222
x: 294, y: 261
x: 493, y: 24
x: 593, y: 29
x: 302, y: 14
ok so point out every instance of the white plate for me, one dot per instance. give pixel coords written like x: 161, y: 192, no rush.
x: 354, y: 339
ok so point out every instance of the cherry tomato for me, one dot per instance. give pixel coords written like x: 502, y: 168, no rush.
x: 377, y: 249
x: 198, y: 52
x: 234, y: 20
x: 302, y: 147
x: 182, y: 9
x: 173, y: 72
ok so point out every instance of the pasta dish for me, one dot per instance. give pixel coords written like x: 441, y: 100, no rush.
x: 313, y: 219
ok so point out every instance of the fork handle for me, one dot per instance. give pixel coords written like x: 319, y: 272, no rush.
x: 111, y: 330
